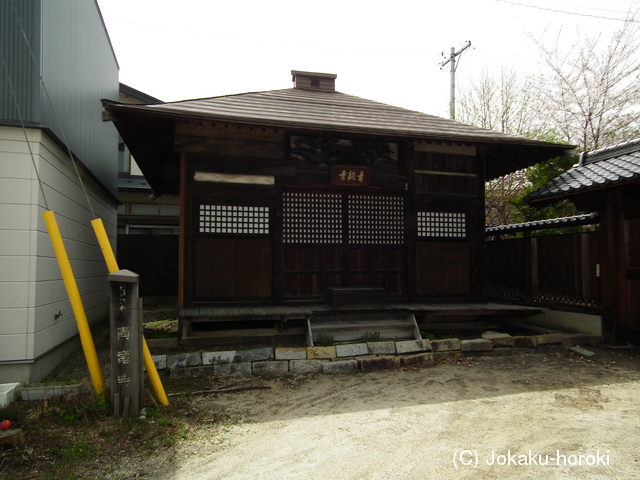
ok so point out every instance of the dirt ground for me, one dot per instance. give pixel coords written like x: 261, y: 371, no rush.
x: 532, y: 416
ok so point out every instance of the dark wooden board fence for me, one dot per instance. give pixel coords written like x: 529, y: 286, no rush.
x: 554, y: 269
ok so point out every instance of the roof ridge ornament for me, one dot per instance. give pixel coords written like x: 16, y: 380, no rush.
x: 324, y: 82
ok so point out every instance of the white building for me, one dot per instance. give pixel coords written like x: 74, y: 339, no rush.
x: 57, y: 64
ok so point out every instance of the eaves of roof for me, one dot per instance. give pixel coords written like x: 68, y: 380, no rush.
x: 147, y: 129
x: 133, y: 184
x: 326, y: 110
x: 138, y: 95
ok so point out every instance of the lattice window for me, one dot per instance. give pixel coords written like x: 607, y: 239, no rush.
x: 312, y: 217
x: 233, y: 220
x: 376, y: 220
x: 442, y: 224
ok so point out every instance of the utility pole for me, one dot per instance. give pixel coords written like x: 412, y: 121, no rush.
x: 452, y: 61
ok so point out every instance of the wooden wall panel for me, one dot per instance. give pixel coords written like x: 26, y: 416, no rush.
x: 233, y: 267
x: 312, y: 259
x: 633, y: 242
x: 634, y: 304
x: 373, y: 259
x: 378, y: 267
x: 229, y: 140
x: 310, y: 271
x: 440, y: 173
x: 442, y: 268
x: 311, y: 284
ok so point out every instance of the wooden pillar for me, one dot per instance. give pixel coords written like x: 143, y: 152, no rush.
x: 277, y: 227
x: 530, y: 258
x: 185, y: 246
x: 615, y: 310
x: 411, y: 227
x: 477, y: 238
x: 182, y: 231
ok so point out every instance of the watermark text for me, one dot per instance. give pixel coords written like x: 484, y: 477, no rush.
x: 473, y: 459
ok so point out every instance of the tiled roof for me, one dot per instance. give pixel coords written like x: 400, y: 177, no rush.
x: 148, y: 129
x: 585, y: 219
x: 601, y: 168
x: 294, y: 107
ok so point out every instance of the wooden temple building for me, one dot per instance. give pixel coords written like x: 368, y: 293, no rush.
x: 291, y: 195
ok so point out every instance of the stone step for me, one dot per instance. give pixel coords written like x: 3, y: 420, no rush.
x: 343, y: 327
x: 361, y: 324
x: 356, y: 297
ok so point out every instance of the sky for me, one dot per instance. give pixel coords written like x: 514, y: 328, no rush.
x: 390, y: 51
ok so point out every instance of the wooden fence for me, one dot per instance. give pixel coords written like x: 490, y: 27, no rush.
x: 154, y: 258
x: 549, y: 270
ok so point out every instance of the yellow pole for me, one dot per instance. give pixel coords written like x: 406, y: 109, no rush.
x: 105, y: 246
x: 76, y: 302
x: 112, y: 265
x: 154, y: 378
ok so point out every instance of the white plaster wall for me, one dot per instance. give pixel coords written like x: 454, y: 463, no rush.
x: 31, y: 286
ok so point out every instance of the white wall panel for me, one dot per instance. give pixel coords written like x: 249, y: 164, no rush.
x: 14, y: 348
x: 14, y: 294
x: 50, y: 338
x: 14, y: 242
x: 14, y: 268
x: 31, y: 286
x: 13, y: 321
x: 15, y: 191
x: 16, y: 217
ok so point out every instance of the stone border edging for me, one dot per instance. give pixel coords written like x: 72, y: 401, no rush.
x: 347, y: 358
x: 350, y: 358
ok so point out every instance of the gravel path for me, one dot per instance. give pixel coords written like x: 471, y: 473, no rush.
x: 533, y: 416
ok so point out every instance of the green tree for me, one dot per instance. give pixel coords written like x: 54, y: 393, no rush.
x: 536, y: 177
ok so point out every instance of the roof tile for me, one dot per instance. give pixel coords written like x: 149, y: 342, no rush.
x: 608, y: 166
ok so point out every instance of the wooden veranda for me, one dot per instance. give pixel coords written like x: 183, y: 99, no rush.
x: 222, y: 324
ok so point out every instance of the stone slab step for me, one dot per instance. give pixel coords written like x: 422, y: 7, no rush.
x: 349, y: 327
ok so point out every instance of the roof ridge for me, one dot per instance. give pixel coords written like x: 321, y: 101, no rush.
x: 186, y: 100
x: 573, y: 220
x: 612, y: 151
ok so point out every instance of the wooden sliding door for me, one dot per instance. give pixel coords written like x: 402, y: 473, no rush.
x: 337, y: 238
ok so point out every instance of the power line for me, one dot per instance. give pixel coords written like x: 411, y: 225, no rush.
x: 601, y: 17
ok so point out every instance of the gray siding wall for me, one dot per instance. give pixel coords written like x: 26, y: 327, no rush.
x: 19, y: 19
x: 69, y: 47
